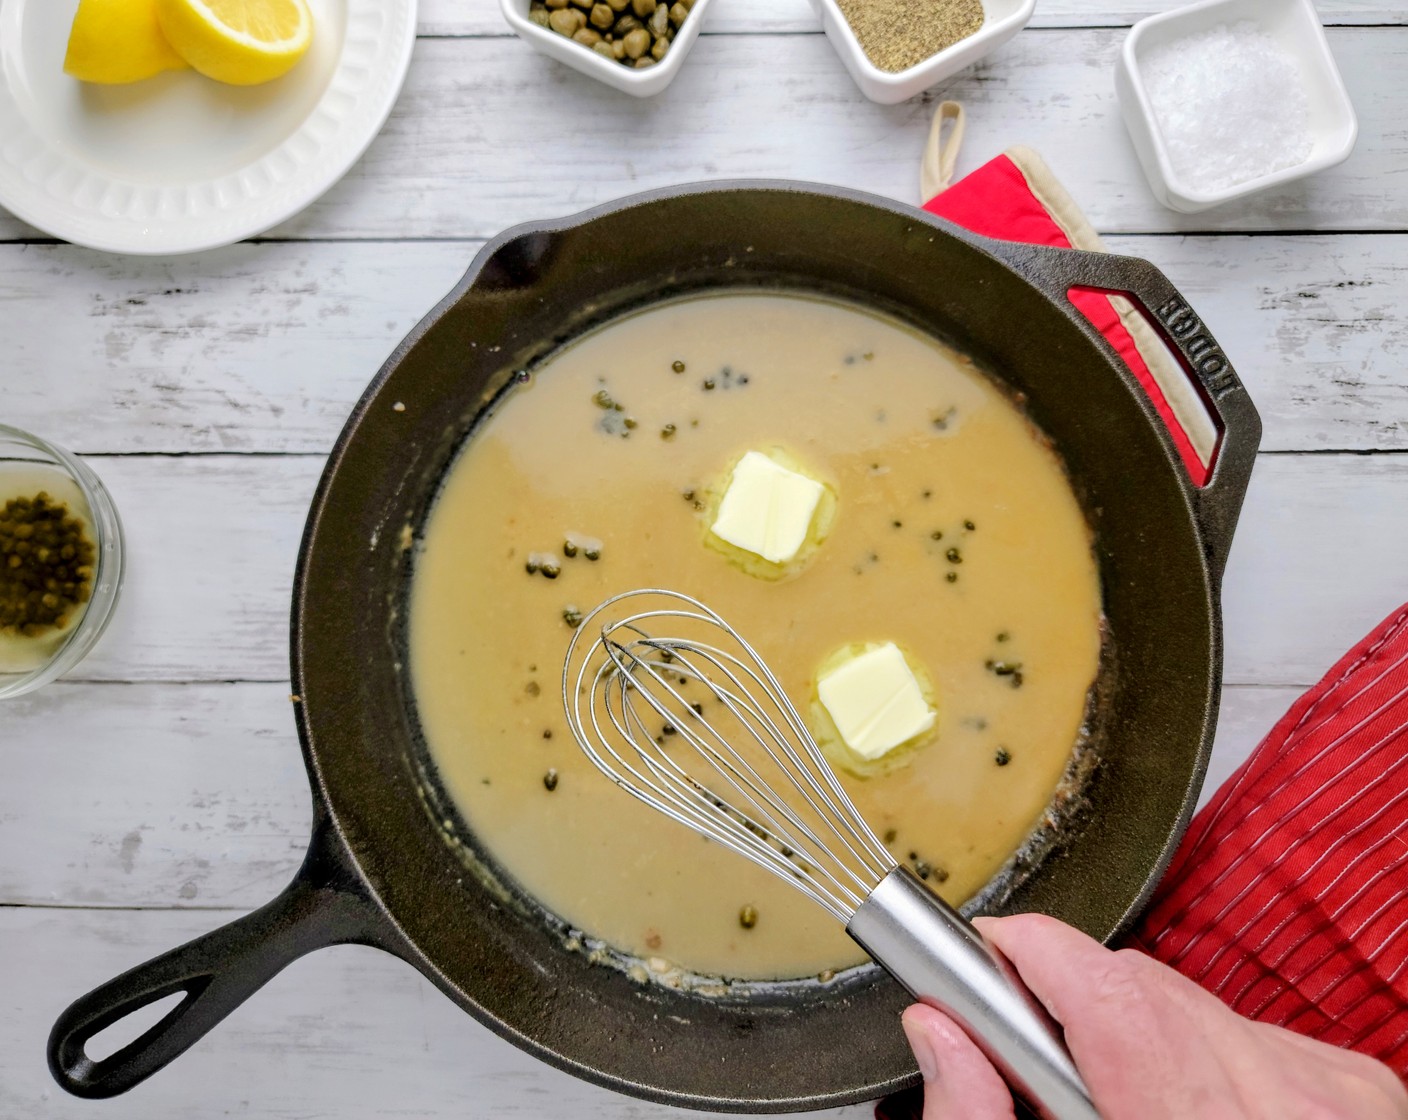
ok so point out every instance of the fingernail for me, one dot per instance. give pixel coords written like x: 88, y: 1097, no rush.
x: 923, y: 1047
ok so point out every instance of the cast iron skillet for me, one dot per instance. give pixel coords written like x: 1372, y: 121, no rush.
x: 379, y: 870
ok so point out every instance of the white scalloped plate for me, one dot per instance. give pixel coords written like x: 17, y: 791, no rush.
x: 179, y: 163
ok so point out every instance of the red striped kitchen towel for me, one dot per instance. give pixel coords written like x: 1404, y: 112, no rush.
x: 1289, y: 895
x: 1288, y: 898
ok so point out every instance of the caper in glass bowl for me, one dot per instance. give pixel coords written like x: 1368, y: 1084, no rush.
x: 61, y: 561
x: 637, y: 46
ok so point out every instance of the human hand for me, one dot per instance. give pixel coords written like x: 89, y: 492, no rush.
x: 1150, y: 1043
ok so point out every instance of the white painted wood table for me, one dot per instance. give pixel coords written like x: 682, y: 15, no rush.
x: 161, y: 791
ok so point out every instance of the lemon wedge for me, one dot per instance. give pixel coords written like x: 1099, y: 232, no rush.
x: 243, y: 42
x: 117, y: 41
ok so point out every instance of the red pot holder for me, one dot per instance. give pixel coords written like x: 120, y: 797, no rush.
x: 1288, y: 898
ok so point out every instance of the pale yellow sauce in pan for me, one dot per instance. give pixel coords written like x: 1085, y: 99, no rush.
x: 914, y: 441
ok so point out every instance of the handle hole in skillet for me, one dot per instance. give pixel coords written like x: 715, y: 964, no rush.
x: 131, y: 1026
x: 1161, y: 371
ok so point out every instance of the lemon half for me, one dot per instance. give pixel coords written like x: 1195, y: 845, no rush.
x: 117, y: 41
x: 243, y: 42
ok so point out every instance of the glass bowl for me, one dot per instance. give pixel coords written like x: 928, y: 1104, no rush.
x: 28, y: 465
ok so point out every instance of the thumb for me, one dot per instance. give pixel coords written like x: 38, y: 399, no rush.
x: 959, y: 1082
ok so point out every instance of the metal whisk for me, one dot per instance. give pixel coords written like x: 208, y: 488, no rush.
x: 674, y: 706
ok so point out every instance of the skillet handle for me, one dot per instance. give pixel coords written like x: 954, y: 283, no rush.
x: 216, y: 972
x: 1218, y: 501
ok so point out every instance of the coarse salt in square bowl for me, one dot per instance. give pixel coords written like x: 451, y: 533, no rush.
x: 638, y: 83
x: 1164, y: 150
x: 1001, y: 20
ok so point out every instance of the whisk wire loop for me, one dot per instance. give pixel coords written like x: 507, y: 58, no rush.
x: 780, y: 824
x: 814, y: 766
x: 781, y: 752
x: 705, y: 810
x: 623, y: 691
x: 682, y: 797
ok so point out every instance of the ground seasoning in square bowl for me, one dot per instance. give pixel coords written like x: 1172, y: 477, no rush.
x: 898, y: 34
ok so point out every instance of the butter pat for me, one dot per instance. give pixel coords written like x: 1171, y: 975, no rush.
x: 767, y: 509
x: 875, y: 701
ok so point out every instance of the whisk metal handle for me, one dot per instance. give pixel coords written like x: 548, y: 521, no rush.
x: 934, y: 952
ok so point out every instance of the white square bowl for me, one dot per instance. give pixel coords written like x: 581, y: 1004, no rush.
x: 1001, y: 20
x: 1295, y: 26
x: 638, y: 83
